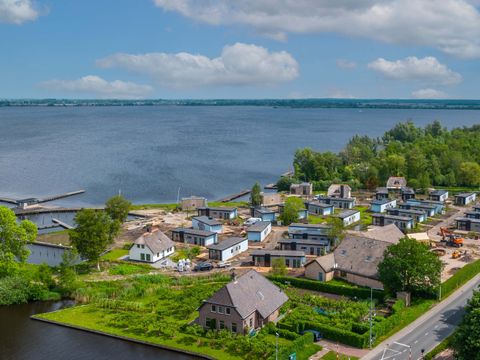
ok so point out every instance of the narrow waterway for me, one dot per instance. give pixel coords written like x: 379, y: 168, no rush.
x: 24, y: 339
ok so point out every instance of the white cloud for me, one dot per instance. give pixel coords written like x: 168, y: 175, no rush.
x: 425, y: 70
x: 97, y: 86
x: 453, y: 26
x: 17, y: 11
x: 345, y: 64
x: 428, y: 94
x: 238, y: 64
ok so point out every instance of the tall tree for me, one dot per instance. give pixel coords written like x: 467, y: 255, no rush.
x: 466, y: 341
x: 117, y: 207
x: 290, y: 211
x: 336, y: 231
x: 14, y: 237
x: 93, y: 234
x: 255, y: 195
x: 410, y: 266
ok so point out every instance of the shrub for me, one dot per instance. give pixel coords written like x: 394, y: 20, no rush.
x: 460, y: 277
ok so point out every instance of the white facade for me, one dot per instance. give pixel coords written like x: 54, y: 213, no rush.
x: 351, y: 219
x: 141, y: 252
x: 259, y: 235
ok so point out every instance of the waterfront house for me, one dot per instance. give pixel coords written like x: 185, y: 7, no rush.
x: 429, y: 210
x: 355, y: 260
x: 259, y: 231
x: 472, y: 214
x: 417, y: 215
x: 467, y: 224
x: 151, y: 247
x: 221, y: 213
x: 380, y: 206
x: 381, y: 193
x: 340, y: 203
x: 264, y: 257
x: 407, y: 193
x: 315, y: 247
x: 305, y: 189
x: 227, y: 249
x: 439, y: 205
x: 194, y: 236
x: 46, y: 253
x: 402, y: 222
x: 266, y: 214
x: 192, y: 203
x: 396, y: 183
x: 465, y: 198
x: 438, y: 195
x: 349, y: 217
x: 246, y: 303
x: 339, y: 190
x: 302, y: 213
x: 207, y: 223
x: 317, y: 208
x: 271, y: 199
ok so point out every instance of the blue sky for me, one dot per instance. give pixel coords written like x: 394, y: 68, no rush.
x: 240, y: 49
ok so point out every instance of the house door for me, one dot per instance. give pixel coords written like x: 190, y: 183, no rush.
x: 312, y: 251
x: 211, y: 323
x: 320, y: 276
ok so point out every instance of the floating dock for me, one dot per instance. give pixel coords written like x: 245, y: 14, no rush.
x: 62, y: 224
x: 235, y: 196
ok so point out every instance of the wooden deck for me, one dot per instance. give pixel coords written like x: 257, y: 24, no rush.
x: 235, y: 196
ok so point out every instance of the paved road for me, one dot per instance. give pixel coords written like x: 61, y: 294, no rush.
x: 427, y: 331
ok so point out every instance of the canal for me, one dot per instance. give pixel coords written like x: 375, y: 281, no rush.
x: 24, y: 339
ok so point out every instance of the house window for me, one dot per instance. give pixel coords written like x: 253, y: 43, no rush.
x: 222, y: 324
x: 287, y: 262
x: 220, y: 309
x: 343, y: 274
x: 250, y: 323
x: 138, y: 246
x: 158, y: 254
x: 210, y: 323
x: 143, y: 246
x: 214, y: 308
x: 234, y: 327
x: 148, y: 257
x: 227, y: 311
x: 231, y: 251
x: 142, y: 256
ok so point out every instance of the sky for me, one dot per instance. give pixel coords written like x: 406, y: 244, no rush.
x: 240, y: 49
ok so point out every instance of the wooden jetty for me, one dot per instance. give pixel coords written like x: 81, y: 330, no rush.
x: 8, y: 200
x: 33, y: 200
x: 60, y: 196
x: 271, y: 186
x: 235, y: 196
x: 62, y: 224
x: 46, y: 210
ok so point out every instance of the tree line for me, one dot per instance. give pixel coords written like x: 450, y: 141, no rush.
x: 428, y: 156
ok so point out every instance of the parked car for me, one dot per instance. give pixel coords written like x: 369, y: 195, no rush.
x: 203, y: 266
x: 316, y: 334
x: 251, y: 221
x: 223, y: 264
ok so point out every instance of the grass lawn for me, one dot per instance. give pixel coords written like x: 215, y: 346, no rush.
x: 316, y: 219
x: 171, y: 207
x: 332, y: 355
x: 114, y: 254
x: 56, y: 237
x: 365, y: 215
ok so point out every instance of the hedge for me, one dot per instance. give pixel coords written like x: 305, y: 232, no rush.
x: 321, y: 286
x: 297, y: 345
x: 463, y: 275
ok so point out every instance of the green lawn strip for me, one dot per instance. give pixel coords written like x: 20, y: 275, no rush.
x: 114, y: 254
x: 171, y: 207
x: 308, y: 351
x: 332, y: 355
x: 462, y: 276
x: 55, y: 237
x: 444, y: 345
x: 365, y: 215
x: 316, y: 219
x: 90, y: 318
x: 128, y: 269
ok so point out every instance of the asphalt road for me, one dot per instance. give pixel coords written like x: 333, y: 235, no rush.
x: 427, y: 331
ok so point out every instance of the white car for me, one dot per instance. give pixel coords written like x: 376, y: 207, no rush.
x: 251, y: 221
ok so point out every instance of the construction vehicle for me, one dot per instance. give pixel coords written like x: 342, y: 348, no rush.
x: 450, y: 238
x: 456, y: 254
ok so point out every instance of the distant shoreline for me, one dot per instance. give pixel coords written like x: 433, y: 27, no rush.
x: 280, y: 103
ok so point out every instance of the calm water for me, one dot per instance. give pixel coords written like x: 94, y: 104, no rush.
x: 149, y: 152
x: 25, y: 339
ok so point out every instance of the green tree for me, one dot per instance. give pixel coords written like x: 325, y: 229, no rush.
x: 14, y: 237
x: 255, y: 195
x: 410, y: 266
x: 336, y: 231
x: 466, y: 341
x: 117, y: 207
x: 279, y: 267
x: 469, y: 174
x: 67, y: 279
x: 283, y: 184
x: 290, y: 210
x: 93, y: 234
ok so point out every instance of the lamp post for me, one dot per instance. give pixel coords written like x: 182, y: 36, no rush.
x: 276, y: 346
x: 370, y: 335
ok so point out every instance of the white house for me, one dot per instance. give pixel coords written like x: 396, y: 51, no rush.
x: 349, y: 217
x: 208, y: 224
x: 259, y: 231
x: 228, y: 248
x: 381, y: 206
x: 151, y: 247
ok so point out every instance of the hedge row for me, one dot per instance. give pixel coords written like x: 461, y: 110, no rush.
x: 460, y: 277
x: 346, y: 290
x: 297, y: 345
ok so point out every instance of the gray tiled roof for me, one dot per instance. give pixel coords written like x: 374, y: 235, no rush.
x: 294, y: 253
x: 382, y: 202
x: 388, y: 233
x: 156, y: 241
x: 259, y: 226
x: 438, y: 192
x: 393, y: 217
x: 208, y: 221
x: 194, y: 231
x: 309, y: 226
x: 218, y: 208
x: 249, y: 293
x: 327, y: 262
x: 347, y: 213
x: 396, y: 182
x: 464, y: 195
x: 227, y: 243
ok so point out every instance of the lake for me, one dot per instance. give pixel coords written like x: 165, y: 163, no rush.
x: 149, y: 153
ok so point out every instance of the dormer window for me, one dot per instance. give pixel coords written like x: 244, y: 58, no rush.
x: 214, y: 308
